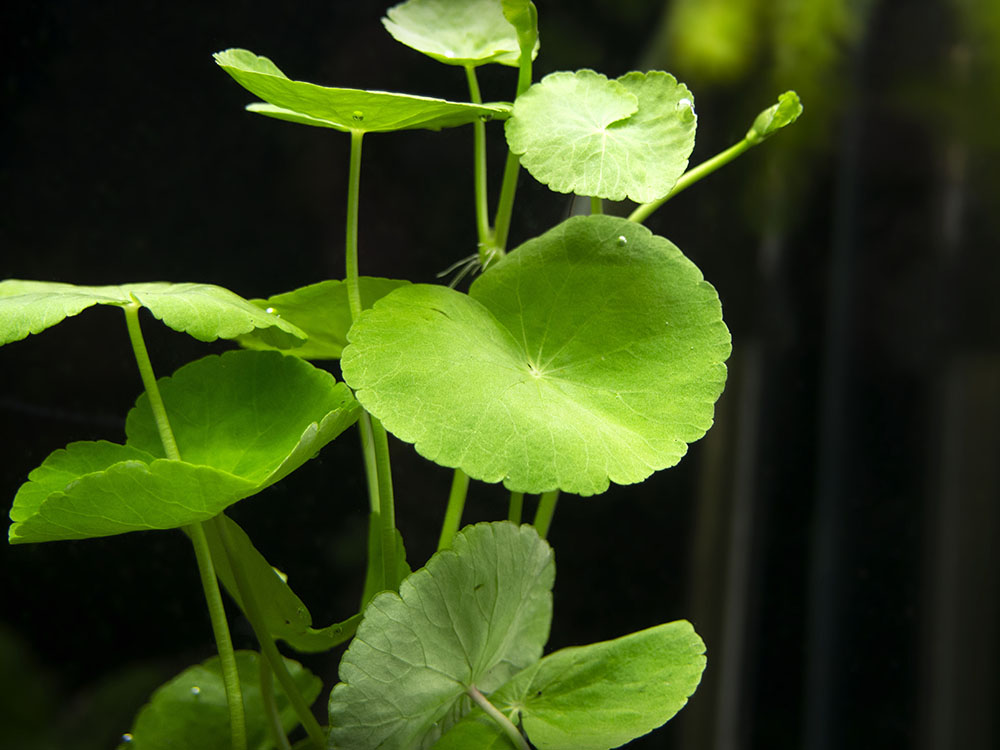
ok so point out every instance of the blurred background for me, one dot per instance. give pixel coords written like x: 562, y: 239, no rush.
x: 832, y: 538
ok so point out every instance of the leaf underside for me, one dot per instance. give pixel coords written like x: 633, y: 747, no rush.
x: 591, y: 354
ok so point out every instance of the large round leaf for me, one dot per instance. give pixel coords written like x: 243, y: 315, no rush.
x: 344, y: 109
x: 583, y: 133
x: 476, y: 615
x: 242, y: 421
x: 593, y: 353
x: 203, y: 311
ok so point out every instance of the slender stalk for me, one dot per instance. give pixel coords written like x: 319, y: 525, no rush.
x: 505, y: 206
x: 499, y: 717
x: 690, y: 177
x: 387, y: 508
x: 596, y: 205
x: 483, y: 230
x: 351, y: 242
x: 546, y: 509
x: 251, y: 609
x: 203, y: 555
x: 371, y: 467
x: 516, y: 507
x: 267, y: 697
x: 456, y: 504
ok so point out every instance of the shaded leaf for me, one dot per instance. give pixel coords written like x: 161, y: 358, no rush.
x: 590, y: 354
x: 475, y: 615
x: 594, y: 697
x: 321, y: 311
x: 774, y: 118
x: 625, y: 138
x: 203, y: 311
x: 345, y: 109
x: 455, y: 32
x: 190, y: 713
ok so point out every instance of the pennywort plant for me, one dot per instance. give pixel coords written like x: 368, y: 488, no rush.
x: 591, y: 354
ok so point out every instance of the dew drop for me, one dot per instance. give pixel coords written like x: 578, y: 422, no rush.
x: 127, y: 737
x: 685, y: 102
x: 196, y: 691
x: 622, y: 240
x: 269, y: 310
x: 358, y: 115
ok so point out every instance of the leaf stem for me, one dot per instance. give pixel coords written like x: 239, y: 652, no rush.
x: 387, y: 509
x: 641, y: 213
x: 351, y: 241
x: 516, y: 507
x: 483, y: 230
x: 546, y: 509
x: 271, y: 706
x: 505, y: 206
x: 499, y: 717
x: 371, y: 465
x: 596, y: 205
x: 456, y: 504
x: 196, y: 531
x: 267, y: 646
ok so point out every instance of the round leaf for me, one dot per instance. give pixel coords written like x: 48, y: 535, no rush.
x: 345, y: 109
x: 203, y: 311
x: 321, y: 311
x: 463, y: 32
x: 590, y: 354
x: 583, y: 133
x: 475, y: 615
x: 190, y: 712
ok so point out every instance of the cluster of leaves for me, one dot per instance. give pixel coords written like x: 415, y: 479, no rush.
x: 591, y: 354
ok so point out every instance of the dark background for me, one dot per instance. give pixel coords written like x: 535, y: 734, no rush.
x: 831, y: 538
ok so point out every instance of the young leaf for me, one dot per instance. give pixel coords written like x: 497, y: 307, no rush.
x: 774, y: 118
x: 523, y: 16
x: 594, y: 697
x: 244, y: 421
x: 321, y: 311
x: 590, y: 354
x: 583, y: 133
x: 475, y: 615
x: 345, y: 109
x: 203, y: 311
x: 284, y: 613
x: 455, y: 32
x: 189, y: 712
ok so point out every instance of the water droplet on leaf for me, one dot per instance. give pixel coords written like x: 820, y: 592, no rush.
x: 622, y: 240
x: 126, y: 737
x: 196, y: 691
x: 685, y: 102
x: 358, y: 115
x: 269, y: 310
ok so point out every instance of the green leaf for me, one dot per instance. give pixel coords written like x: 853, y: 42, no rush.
x: 321, y: 311
x: 590, y: 354
x: 374, y: 572
x: 594, y: 697
x: 284, y: 613
x: 345, y: 109
x: 475, y: 615
x: 583, y: 133
x: 523, y: 16
x: 455, y: 32
x: 189, y: 712
x: 243, y: 421
x: 774, y: 118
x: 204, y: 311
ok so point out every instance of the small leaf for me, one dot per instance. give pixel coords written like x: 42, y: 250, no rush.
x: 455, y: 32
x: 590, y: 354
x: 774, y: 118
x: 583, y: 133
x: 523, y: 16
x: 203, y: 311
x: 475, y: 615
x: 190, y: 712
x: 594, y: 697
x: 284, y: 613
x: 345, y: 109
x: 321, y: 311
x: 242, y: 422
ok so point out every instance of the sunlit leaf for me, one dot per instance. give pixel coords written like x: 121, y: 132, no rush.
x: 594, y: 697
x: 322, y: 311
x: 190, y: 712
x: 590, y: 354
x: 242, y: 421
x: 203, y: 311
x: 774, y: 118
x: 345, y: 109
x: 584, y: 133
x: 455, y: 32
x: 475, y: 615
